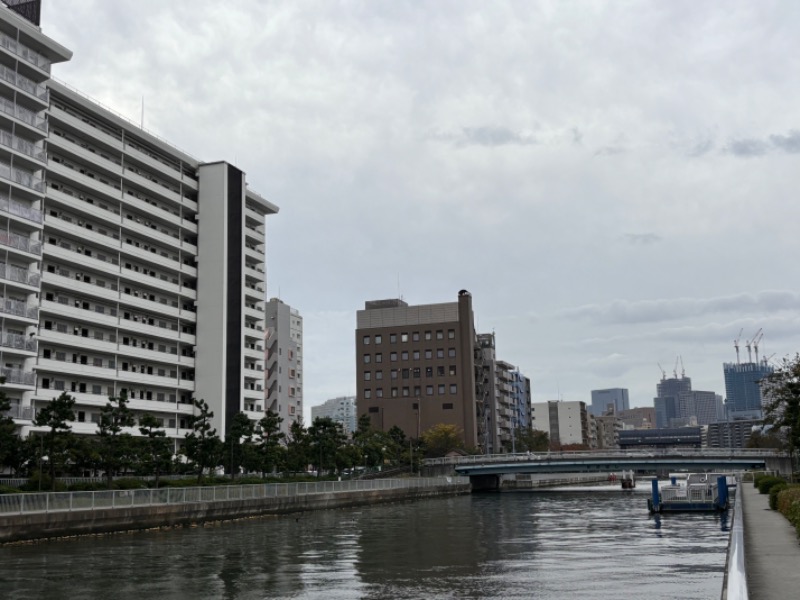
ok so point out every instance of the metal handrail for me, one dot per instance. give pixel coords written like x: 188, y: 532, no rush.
x: 39, y: 502
x: 736, y: 572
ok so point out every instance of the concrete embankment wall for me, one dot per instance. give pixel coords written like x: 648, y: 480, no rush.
x: 42, y: 525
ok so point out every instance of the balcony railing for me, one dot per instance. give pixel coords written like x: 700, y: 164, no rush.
x: 26, y: 244
x: 23, y: 114
x: 24, y: 52
x: 25, y: 84
x: 20, y: 309
x: 17, y: 143
x: 24, y: 178
x: 18, y: 342
x: 20, y: 210
x: 18, y: 376
x: 12, y: 273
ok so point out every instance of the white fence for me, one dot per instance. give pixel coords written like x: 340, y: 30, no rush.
x: 73, y: 501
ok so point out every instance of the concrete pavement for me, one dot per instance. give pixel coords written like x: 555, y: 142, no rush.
x: 772, y: 549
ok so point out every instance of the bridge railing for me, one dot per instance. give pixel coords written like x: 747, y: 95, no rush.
x: 481, y: 459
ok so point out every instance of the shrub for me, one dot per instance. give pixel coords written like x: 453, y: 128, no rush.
x: 765, y: 483
x: 7, y: 489
x: 773, y: 494
x: 87, y: 486
x: 129, y: 483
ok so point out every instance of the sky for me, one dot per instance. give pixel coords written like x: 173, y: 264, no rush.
x: 612, y: 181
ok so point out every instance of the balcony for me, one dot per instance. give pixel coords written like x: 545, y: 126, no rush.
x: 19, y: 309
x: 20, y: 210
x: 19, y: 242
x: 37, y: 90
x: 20, y: 413
x: 17, y: 342
x: 23, y: 178
x: 63, y: 279
x: 23, y: 114
x: 19, y: 275
x: 35, y: 151
x: 30, y: 56
x: 18, y: 376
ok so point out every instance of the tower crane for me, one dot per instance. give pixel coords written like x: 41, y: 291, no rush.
x: 675, y: 368
x: 756, y: 341
x: 683, y: 372
x: 663, y: 372
x: 736, y: 344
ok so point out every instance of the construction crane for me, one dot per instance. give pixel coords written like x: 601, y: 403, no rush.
x: 756, y: 341
x: 663, y: 372
x: 675, y: 368
x: 736, y: 344
x: 683, y: 372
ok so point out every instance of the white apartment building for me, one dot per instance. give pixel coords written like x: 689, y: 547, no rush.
x: 283, y: 342
x: 129, y: 266
x: 342, y: 410
x: 565, y: 422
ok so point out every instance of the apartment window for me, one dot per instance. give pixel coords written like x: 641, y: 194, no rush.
x: 367, y: 359
x: 379, y: 393
x: 451, y: 352
x: 428, y: 371
x: 378, y: 357
x: 367, y: 375
x: 393, y: 374
x: 406, y: 392
x: 367, y: 393
x: 416, y: 372
x: 440, y: 371
x: 415, y: 336
x: 428, y: 354
x: 366, y: 340
x: 404, y: 355
x: 394, y: 392
x: 374, y: 409
x: 451, y: 334
x: 392, y: 338
x: 406, y: 373
x: 453, y: 388
x: 378, y: 374
x: 393, y: 356
x: 441, y: 389
x: 404, y: 337
x: 440, y: 353
x: 447, y: 406
x: 81, y: 416
x: 46, y: 353
x: 452, y: 369
x: 417, y: 390
x: 46, y: 383
x: 439, y: 334
x: 427, y: 335
x: 429, y: 390
x: 415, y: 355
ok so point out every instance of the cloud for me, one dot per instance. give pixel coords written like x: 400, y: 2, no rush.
x: 650, y: 311
x: 642, y: 239
x: 486, y: 136
x: 747, y: 147
x: 788, y: 143
x: 701, y: 148
x: 609, y: 151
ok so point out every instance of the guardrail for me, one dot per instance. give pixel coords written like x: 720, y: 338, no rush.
x: 587, y: 454
x: 39, y: 502
x: 736, y: 573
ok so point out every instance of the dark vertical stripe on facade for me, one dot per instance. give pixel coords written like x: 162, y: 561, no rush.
x: 235, y: 266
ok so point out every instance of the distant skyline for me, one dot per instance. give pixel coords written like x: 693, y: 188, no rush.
x: 611, y: 181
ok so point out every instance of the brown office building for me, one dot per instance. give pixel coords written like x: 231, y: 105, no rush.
x: 415, y: 366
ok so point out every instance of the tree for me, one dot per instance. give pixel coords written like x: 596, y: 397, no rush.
x: 115, y: 446
x: 533, y: 440
x: 203, y: 446
x: 155, y: 450
x: 766, y: 439
x: 10, y: 444
x: 239, y: 441
x: 298, y: 448
x: 54, y: 415
x: 441, y: 439
x: 326, y: 437
x: 269, y: 451
x: 782, y: 409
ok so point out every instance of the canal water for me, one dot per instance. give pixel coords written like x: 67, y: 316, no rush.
x: 573, y: 544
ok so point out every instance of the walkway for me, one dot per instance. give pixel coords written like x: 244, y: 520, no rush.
x: 772, y: 550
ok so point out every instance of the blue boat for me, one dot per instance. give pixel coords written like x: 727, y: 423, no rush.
x: 702, y: 492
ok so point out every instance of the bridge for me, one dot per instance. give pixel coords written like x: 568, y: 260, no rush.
x: 485, y: 471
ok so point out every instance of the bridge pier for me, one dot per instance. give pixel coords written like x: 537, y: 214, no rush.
x: 484, y: 483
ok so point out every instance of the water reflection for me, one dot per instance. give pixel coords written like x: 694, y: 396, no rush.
x: 514, y: 545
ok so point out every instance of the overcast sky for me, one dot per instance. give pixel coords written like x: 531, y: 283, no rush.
x: 614, y: 182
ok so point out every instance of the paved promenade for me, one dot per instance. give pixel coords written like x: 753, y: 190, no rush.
x: 772, y: 550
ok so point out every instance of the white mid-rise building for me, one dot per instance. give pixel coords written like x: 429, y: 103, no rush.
x: 342, y: 410
x: 129, y: 267
x: 283, y: 342
x: 565, y: 422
